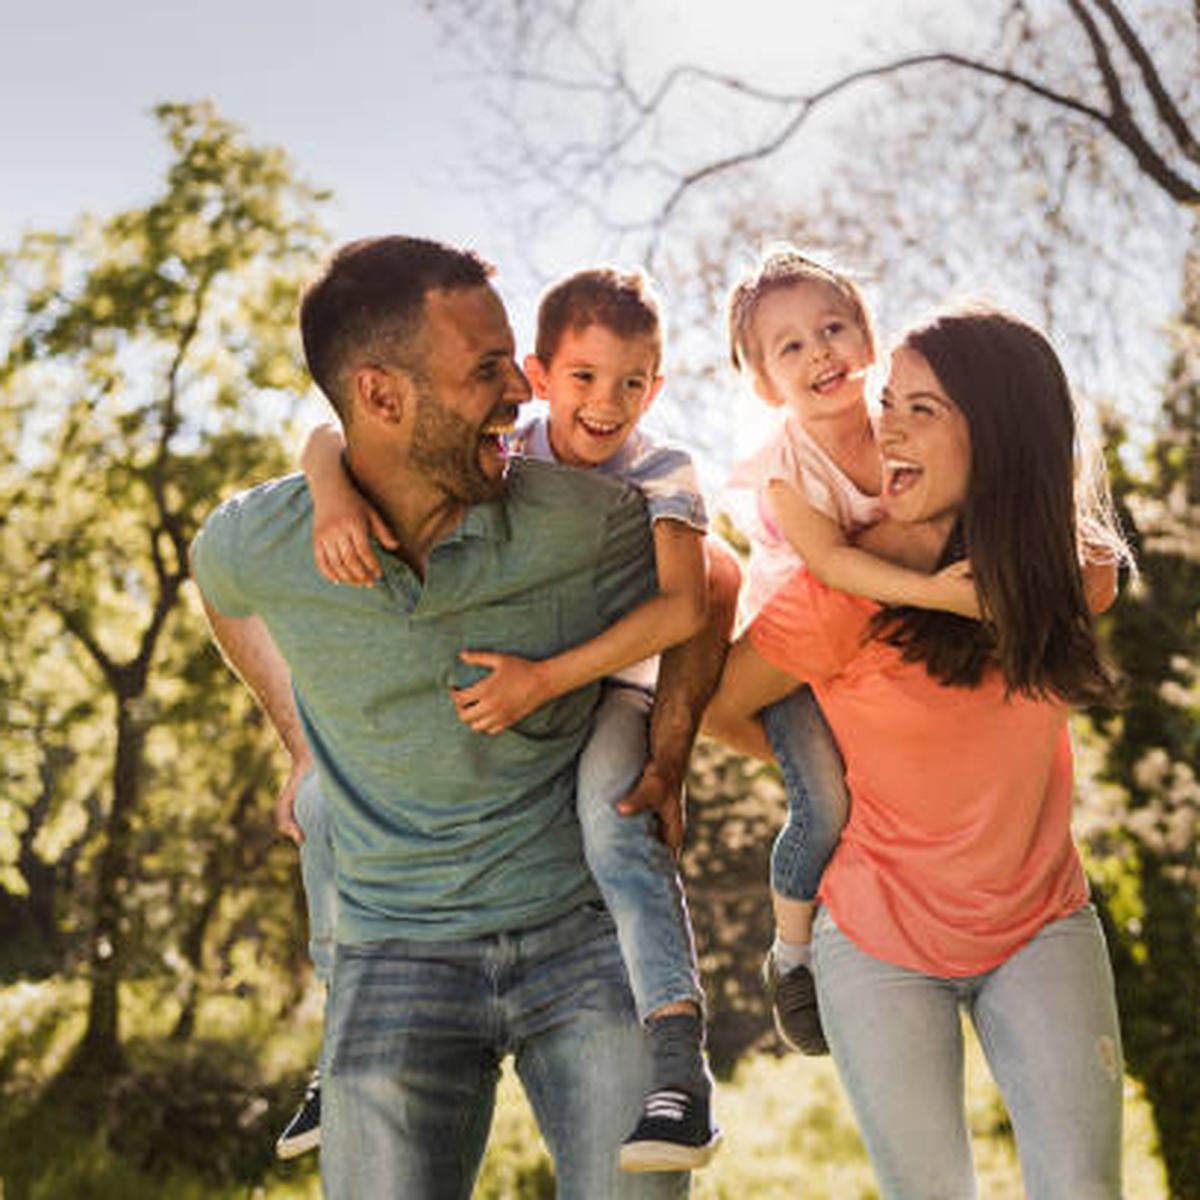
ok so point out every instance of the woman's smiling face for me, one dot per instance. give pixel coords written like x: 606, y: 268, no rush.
x: 925, y: 443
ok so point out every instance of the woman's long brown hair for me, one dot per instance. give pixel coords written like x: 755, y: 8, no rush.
x: 1018, y: 524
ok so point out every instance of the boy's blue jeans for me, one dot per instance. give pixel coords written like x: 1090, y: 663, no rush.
x: 416, y: 1032
x: 631, y: 865
x: 1047, y: 1022
x: 316, y: 871
x: 818, y: 802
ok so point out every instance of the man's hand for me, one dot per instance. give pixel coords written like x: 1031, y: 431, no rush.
x: 660, y: 793
x: 285, y: 804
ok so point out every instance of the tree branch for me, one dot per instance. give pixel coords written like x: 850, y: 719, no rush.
x: 1164, y: 105
x: 1119, y: 122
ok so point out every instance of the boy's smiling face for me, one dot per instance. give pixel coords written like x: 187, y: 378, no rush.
x: 598, y: 384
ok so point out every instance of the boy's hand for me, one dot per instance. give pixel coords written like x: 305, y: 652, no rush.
x: 662, y: 795
x: 341, y: 542
x: 515, y: 687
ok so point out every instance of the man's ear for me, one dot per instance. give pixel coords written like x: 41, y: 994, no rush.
x: 538, y: 376
x: 383, y: 394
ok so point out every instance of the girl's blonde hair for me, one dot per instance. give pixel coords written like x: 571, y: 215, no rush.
x: 784, y: 267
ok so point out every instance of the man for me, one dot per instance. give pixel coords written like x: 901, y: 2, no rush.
x: 468, y: 924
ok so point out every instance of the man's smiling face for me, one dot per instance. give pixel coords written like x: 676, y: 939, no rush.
x: 470, y: 389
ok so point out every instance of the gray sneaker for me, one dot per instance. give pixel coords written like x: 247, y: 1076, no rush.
x: 793, y: 1000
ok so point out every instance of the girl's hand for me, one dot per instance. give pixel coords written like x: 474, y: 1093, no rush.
x: 342, y: 524
x: 515, y: 687
x: 953, y: 590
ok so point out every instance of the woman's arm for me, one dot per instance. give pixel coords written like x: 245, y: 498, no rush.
x: 822, y: 545
x: 516, y: 686
x: 748, y: 684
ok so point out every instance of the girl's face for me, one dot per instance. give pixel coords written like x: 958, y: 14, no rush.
x: 812, y: 353
x: 925, y: 443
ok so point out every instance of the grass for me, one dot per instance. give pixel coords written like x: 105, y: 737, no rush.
x: 788, y: 1128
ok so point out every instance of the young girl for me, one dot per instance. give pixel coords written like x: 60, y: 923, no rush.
x: 956, y: 884
x: 803, y: 334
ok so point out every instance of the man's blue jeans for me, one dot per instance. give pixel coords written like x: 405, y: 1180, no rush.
x: 415, y: 1033
x: 1047, y: 1022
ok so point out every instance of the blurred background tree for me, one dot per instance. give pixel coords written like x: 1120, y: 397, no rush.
x: 151, y: 368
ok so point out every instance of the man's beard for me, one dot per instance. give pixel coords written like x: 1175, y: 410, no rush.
x: 445, y: 448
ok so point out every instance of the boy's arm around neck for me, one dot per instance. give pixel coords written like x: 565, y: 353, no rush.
x: 515, y: 686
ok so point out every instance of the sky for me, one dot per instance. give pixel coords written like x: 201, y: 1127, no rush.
x: 365, y: 96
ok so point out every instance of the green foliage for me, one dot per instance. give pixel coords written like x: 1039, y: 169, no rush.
x: 1148, y: 853
x: 151, y: 367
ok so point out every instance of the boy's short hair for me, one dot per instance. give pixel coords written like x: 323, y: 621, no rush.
x: 780, y: 268
x: 622, y: 301
x: 368, y: 304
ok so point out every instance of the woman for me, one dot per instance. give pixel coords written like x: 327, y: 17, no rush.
x: 956, y: 882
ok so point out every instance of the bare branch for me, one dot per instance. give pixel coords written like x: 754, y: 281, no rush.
x: 1164, y: 105
x: 1119, y: 122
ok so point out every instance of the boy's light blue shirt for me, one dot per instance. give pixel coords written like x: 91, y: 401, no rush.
x: 665, y: 475
x: 441, y: 832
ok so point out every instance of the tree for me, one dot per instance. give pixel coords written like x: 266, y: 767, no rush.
x: 151, y: 363
x: 1145, y: 833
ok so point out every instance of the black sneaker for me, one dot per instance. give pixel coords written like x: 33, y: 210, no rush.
x: 303, y: 1132
x: 675, y: 1133
x: 793, y: 1000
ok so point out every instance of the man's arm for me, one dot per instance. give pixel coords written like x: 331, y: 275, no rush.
x: 687, y: 678
x: 249, y: 649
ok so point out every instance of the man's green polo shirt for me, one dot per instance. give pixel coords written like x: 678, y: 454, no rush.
x: 440, y: 832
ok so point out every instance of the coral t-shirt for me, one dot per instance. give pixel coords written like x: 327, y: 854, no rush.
x: 958, y: 848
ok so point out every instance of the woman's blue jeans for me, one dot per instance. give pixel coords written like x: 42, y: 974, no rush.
x: 1047, y: 1022
x: 416, y: 1032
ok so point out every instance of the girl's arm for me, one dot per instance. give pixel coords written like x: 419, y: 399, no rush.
x: 516, y: 686
x: 819, y: 540
x: 343, y: 518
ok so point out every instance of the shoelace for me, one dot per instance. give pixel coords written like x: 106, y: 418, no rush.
x: 668, y: 1104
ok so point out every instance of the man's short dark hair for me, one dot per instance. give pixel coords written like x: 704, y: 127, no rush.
x: 368, y: 303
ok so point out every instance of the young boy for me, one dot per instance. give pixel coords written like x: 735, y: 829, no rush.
x: 597, y: 360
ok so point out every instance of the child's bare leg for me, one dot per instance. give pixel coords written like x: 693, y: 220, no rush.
x: 793, y: 919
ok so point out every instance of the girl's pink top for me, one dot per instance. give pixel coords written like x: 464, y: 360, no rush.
x: 793, y: 455
x: 958, y: 848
